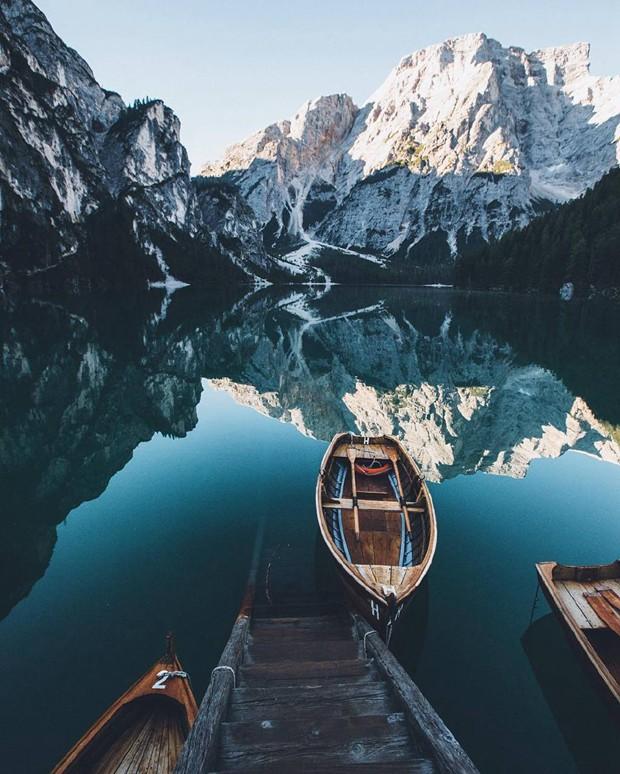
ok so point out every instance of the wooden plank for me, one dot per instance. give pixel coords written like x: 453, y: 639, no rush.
x: 291, y: 701
x: 411, y: 766
x: 301, y: 623
x: 368, y: 547
x: 373, y: 485
x: 612, y: 583
x: 387, y: 548
x: 571, y: 594
x: 604, y: 611
x: 436, y: 739
x: 382, y: 574
x: 393, y: 522
x: 267, y: 634
x: 287, y: 610
x: 398, y: 575
x: 305, y: 672
x: 361, y: 739
x: 611, y: 597
x: 371, y: 505
x: 317, y: 650
x: 369, y: 451
x: 373, y: 520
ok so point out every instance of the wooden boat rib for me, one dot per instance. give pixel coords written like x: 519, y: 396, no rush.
x: 376, y: 515
x: 144, y: 730
x: 587, y: 599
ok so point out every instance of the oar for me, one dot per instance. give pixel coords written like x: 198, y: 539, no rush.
x: 351, y: 454
x: 393, y: 455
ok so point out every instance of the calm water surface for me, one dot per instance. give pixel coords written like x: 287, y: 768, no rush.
x: 142, y: 441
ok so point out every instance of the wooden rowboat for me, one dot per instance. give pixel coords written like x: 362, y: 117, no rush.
x: 377, y: 517
x: 587, y: 600
x: 144, y: 730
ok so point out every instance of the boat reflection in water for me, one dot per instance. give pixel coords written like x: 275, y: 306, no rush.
x: 578, y: 707
x: 377, y: 518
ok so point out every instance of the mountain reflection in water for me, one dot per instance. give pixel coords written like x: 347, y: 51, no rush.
x: 470, y: 382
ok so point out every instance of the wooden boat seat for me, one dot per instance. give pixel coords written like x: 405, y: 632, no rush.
x: 371, y: 505
x: 370, y: 451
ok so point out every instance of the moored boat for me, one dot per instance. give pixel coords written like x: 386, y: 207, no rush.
x: 144, y: 730
x: 587, y: 600
x: 376, y: 515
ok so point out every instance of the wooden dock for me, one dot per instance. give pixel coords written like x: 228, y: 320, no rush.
x: 308, y: 686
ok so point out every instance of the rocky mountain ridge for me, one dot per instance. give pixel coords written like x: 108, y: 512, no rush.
x: 463, y: 141
x: 91, y: 187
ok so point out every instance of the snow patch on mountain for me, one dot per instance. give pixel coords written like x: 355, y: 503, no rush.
x: 464, y: 140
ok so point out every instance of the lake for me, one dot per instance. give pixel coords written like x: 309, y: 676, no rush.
x: 142, y: 441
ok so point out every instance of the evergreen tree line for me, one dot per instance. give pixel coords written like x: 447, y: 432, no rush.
x: 578, y: 242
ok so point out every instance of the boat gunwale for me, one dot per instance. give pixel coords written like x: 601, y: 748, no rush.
x: 545, y: 571
x: 429, y: 553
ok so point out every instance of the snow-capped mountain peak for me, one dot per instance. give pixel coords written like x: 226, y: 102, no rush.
x: 464, y: 139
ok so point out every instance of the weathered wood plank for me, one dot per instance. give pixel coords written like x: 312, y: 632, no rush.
x: 604, y: 611
x: 327, y: 740
x: 411, y: 766
x: 305, y: 672
x: 317, y: 650
x: 429, y: 729
x: 300, y: 634
x: 346, y: 503
x: 291, y: 701
x: 326, y: 622
x: 571, y: 594
x: 294, y: 610
x: 368, y: 451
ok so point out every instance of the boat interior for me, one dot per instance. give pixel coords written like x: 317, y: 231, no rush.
x: 145, y: 735
x: 592, y: 598
x: 374, y: 505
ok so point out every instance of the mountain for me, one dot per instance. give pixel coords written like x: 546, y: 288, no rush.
x: 576, y: 247
x: 92, y: 188
x: 464, y: 141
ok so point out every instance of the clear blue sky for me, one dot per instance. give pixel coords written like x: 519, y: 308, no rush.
x: 230, y: 67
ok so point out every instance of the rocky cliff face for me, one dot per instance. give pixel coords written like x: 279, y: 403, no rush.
x: 463, y: 141
x: 290, y: 166
x: 89, y: 186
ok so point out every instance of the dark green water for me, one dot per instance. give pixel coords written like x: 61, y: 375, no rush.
x: 140, y: 447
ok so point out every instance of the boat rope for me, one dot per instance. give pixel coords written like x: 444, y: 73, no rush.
x: 230, y: 669
x: 364, y: 643
x: 166, y: 675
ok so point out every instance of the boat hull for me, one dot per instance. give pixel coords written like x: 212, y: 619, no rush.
x: 378, y: 613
